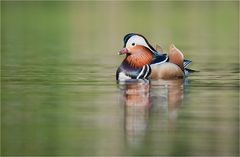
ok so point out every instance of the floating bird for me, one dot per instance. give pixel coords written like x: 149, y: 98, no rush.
x: 142, y: 61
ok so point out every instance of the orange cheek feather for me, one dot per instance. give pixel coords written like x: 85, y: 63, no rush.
x: 139, y: 57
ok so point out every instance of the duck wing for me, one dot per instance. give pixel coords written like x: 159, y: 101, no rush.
x: 159, y: 58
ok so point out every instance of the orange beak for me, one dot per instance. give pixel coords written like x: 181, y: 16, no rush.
x: 123, y: 51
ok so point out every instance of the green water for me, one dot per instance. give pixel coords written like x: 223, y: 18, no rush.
x: 58, y: 90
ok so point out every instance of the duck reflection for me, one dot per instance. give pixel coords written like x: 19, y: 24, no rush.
x: 167, y: 96
x: 141, y: 98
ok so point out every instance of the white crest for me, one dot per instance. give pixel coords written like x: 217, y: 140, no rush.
x: 137, y: 40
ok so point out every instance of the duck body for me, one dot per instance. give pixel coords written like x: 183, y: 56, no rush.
x: 166, y: 70
x: 142, y: 61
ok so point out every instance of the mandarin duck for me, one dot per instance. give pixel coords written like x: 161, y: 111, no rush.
x: 142, y: 61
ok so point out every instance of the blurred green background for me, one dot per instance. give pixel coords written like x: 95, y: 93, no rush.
x: 58, y: 89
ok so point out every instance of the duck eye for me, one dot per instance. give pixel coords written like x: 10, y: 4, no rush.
x: 133, y: 44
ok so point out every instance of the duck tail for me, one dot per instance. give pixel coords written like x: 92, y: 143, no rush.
x: 191, y: 70
x: 186, y: 63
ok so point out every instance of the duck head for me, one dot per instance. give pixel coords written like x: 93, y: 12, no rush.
x: 137, y: 50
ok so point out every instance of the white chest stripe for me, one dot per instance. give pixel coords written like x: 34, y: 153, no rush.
x: 147, y: 71
x: 141, y: 72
